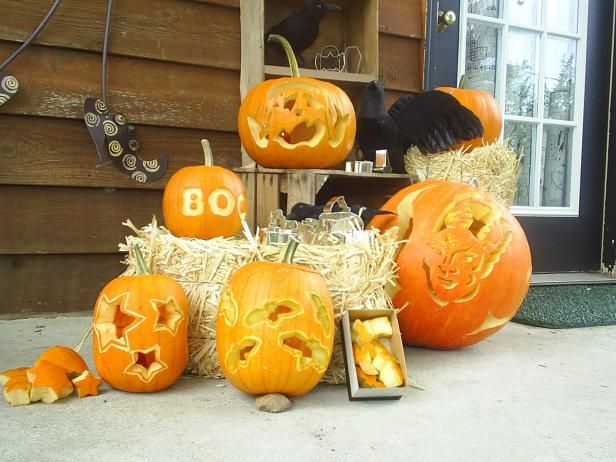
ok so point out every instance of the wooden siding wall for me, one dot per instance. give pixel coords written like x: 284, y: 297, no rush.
x: 174, y: 72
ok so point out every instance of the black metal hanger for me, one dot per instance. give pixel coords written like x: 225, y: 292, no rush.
x: 9, y: 85
x: 113, y: 135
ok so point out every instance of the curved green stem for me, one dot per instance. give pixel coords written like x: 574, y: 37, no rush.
x: 289, y: 52
x: 207, y: 153
x: 289, y: 251
x: 142, y: 267
x: 462, y: 82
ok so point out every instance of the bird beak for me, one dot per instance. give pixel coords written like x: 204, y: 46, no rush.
x: 333, y: 7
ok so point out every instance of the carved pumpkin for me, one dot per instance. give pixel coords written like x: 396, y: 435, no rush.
x: 275, y: 328
x: 204, y: 201
x: 140, y: 331
x: 465, y: 269
x: 296, y: 122
x: 485, y: 107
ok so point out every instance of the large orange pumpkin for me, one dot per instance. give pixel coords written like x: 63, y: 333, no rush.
x: 140, y: 330
x: 296, y: 122
x: 275, y: 328
x: 465, y: 269
x: 204, y: 201
x: 485, y: 107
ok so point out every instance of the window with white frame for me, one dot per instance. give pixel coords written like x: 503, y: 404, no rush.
x: 530, y: 54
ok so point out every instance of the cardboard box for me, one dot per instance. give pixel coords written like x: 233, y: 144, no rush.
x: 393, y: 344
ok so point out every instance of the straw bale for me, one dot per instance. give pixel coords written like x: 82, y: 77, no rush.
x: 495, y: 166
x: 357, y: 274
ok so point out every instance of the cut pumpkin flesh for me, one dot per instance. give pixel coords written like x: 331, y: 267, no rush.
x: 17, y: 387
x: 9, y: 374
x: 86, y: 384
x: 49, y: 382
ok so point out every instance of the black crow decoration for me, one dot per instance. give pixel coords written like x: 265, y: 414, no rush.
x: 433, y: 121
x: 301, y: 27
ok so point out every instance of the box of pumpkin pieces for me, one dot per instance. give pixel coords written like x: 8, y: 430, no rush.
x: 373, y: 354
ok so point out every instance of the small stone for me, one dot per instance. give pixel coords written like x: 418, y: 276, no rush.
x: 274, y: 402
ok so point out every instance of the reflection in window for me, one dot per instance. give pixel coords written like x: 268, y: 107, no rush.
x: 556, y: 150
x: 523, y: 11
x: 559, y: 82
x: 484, y: 7
x: 522, y: 137
x: 481, y: 46
x: 522, y: 76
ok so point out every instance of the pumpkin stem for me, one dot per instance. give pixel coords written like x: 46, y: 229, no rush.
x: 462, y: 83
x: 142, y: 267
x: 289, y: 52
x: 83, y: 338
x: 207, y: 153
x: 289, y: 251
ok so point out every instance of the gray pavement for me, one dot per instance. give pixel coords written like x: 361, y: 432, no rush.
x: 525, y: 394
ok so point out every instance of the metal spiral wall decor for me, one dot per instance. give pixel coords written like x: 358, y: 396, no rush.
x: 9, y: 85
x: 113, y: 135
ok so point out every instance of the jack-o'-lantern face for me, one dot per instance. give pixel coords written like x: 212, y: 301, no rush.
x: 204, y: 202
x: 140, y: 329
x: 275, y: 329
x: 297, y: 123
x: 465, y: 269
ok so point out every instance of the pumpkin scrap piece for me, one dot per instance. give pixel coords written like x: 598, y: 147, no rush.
x: 16, y: 387
x: 64, y: 357
x: 377, y: 366
x: 86, y: 384
x: 49, y: 382
x: 9, y: 374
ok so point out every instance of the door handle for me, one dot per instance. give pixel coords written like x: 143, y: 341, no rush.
x: 445, y: 19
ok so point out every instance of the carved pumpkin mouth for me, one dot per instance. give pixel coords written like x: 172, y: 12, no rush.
x: 299, y: 117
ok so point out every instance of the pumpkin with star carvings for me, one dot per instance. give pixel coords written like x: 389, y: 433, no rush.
x: 464, y: 266
x: 140, y: 328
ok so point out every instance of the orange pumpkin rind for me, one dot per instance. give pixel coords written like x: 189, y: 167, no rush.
x: 16, y: 386
x: 86, y: 384
x: 49, y: 382
x: 64, y: 357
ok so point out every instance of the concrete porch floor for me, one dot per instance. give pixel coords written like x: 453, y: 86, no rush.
x: 525, y: 394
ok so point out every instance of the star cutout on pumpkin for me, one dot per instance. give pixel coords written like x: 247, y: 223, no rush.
x: 86, y: 384
x: 113, y: 320
x: 145, y: 363
x: 169, y: 315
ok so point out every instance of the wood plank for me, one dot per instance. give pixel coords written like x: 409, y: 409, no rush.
x: 251, y: 193
x: 42, y: 220
x: 167, y: 30
x: 402, y: 17
x: 55, y: 82
x: 267, y: 198
x: 54, y: 283
x: 60, y: 152
x: 400, y: 61
x: 301, y: 187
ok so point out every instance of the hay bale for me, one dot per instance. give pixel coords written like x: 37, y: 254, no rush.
x: 356, y: 273
x: 496, y: 167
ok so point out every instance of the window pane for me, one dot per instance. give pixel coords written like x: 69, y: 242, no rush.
x: 555, y: 180
x: 522, y: 79
x: 522, y: 138
x: 481, y: 46
x: 523, y: 12
x: 561, y: 15
x: 559, y: 83
x: 484, y: 7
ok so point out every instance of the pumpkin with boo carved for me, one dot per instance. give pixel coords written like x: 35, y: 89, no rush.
x: 297, y: 122
x: 204, y: 201
x: 465, y: 269
x: 275, y: 328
